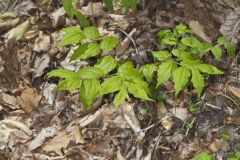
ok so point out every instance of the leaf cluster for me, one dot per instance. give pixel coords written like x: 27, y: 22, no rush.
x: 126, y: 80
x: 89, y: 41
x: 180, y: 57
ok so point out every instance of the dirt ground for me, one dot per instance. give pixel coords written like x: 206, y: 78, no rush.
x: 38, y: 123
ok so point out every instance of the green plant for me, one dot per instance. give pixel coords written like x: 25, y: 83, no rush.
x: 89, y: 39
x: 203, y: 156
x: 235, y: 156
x: 108, y: 76
x: 127, y: 80
x: 126, y: 5
x: 181, y: 55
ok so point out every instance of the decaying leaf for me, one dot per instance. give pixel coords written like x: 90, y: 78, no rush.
x: 42, y: 43
x: 130, y: 117
x: 234, y: 91
x: 93, y: 9
x: 40, y: 64
x: 198, y: 29
x: 231, y: 26
x: 58, y: 143
x: 41, y: 137
x: 9, y: 101
x: 18, y: 32
x: 29, y: 99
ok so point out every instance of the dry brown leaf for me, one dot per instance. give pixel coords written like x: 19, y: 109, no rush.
x: 93, y: 9
x: 78, y: 135
x: 42, y: 43
x: 234, y: 91
x: 29, y: 99
x: 9, y: 101
x: 198, y: 29
x: 58, y: 143
x: 45, y: 133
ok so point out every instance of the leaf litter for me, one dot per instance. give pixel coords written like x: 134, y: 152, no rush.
x: 39, y: 123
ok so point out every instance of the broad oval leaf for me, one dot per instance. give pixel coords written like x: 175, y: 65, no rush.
x: 91, y: 33
x: 90, y: 73
x: 181, y: 54
x: 69, y: 84
x: 63, y: 73
x: 107, y: 64
x: 89, y: 92
x: 197, y: 80
x: 111, y: 85
x: 73, y: 35
x: 127, y: 72
x: 180, y: 78
x: 170, y: 40
x: 165, y: 71
x: 138, y: 89
x: 68, y: 6
x: 85, y: 51
x: 161, y: 55
x: 120, y: 96
x: 190, y: 63
x: 191, y: 42
x: 163, y: 33
x: 82, y: 19
x: 108, y: 43
x: 217, y: 52
x: 208, y: 69
x: 148, y: 71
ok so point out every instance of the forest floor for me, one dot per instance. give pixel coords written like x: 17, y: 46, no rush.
x: 38, y: 123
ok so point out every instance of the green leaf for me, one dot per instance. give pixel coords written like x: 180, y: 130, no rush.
x: 148, y: 71
x: 63, y: 73
x: 120, y: 97
x: 181, y: 29
x: 138, y: 89
x: 85, y: 51
x: 217, y: 52
x: 68, y: 6
x: 181, y: 54
x: 133, y: 5
x: 18, y: 32
x: 190, y: 63
x: 161, y: 55
x: 111, y: 85
x: 69, y: 84
x: 208, y: 69
x: 235, y: 156
x: 197, y: 80
x: 109, y: 4
x: 165, y: 71
x: 180, y: 78
x: 89, y: 92
x: 107, y: 64
x: 191, y: 42
x: 90, y: 73
x: 82, y: 19
x: 203, y: 156
x: 108, y: 43
x: 73, y: 35
x: 91, y: 32
x: 163, y: 33
x: 228, y: 45
x: 169, y: 40
x: 127, y: 72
